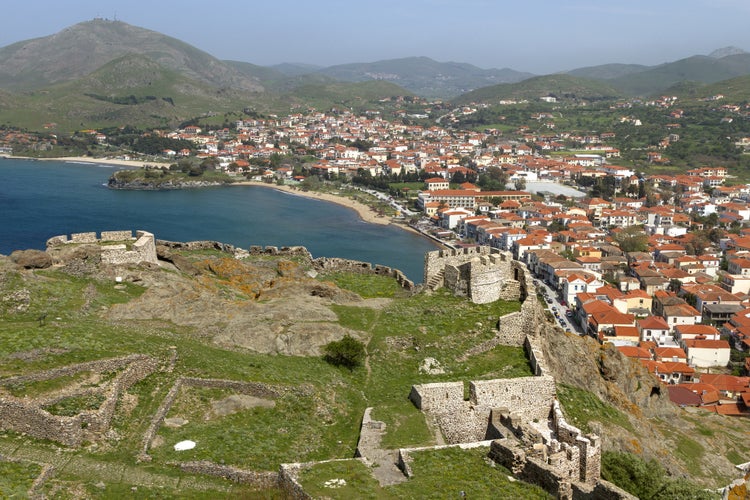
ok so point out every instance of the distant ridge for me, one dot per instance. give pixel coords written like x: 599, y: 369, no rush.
x: 558, y: 85
x: 726, y: 51
x: 424, y: 76
x: 82, y: 48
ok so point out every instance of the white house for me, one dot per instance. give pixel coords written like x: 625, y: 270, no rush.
x: 707, y: 353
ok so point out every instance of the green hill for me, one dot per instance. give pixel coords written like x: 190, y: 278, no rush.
x: 560, y: 85
x: 83, y: 48
x: 133, y: 89
x: 424, y: 76
x: 697, y: 68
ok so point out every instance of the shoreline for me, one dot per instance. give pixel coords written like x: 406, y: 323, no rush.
x: 88, y: 159
x: 365, y: 212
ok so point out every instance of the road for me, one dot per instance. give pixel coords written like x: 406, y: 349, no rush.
x: 553, y: 304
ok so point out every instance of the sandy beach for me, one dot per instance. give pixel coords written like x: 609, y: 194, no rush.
x: 365, y: 212
x: 89, y: 159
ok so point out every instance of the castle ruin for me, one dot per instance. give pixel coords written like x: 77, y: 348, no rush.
x: 482, y: 274
x: 118, y: 247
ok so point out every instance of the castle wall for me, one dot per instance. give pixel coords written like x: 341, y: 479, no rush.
x: 435, y: 261
x: 27, y: 415
x: 116, y: 235
x: 354, y: 266
x: 530, y: 396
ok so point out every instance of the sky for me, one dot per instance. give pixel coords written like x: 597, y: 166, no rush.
x: 536, y: 36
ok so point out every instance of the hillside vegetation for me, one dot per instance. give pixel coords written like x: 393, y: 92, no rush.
x: 264, y: 320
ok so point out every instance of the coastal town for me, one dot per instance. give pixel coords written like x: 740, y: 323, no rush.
x: 658, y: 265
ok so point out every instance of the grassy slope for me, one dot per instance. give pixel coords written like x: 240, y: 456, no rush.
x: 326, y: 402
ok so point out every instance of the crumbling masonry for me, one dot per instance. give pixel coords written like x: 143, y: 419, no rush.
x: 482, y: 274
x: 521, y: 415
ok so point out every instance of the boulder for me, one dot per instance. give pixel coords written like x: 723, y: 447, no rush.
x: 31, y: 259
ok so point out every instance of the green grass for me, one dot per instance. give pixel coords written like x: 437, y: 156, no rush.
x: 405, y: 426
x: 360, y: 482
x: 735, y: 457
x: 16, y: 478
x: 467, y: 471
x: 365, y: 285
x: 581, y: 407
x: 74, y: 405
x: 460, y: 470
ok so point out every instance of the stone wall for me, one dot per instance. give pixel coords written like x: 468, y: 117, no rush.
x: 354, y: 266
x: 482, y: 274
x: 436, y: 261
x: 530, y: 396
x: 143, y: 249
x: 438, y: 397
x: 590, y: 446
x: 554, y: 467
x: 261, y: 480
x: 466, y: 421
x: 27, y: 414
x: 116, y: 235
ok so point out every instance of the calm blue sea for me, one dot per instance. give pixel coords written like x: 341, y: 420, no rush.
x: 41, y: 199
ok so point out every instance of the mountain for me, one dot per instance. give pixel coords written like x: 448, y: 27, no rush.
x: 424, y: 76
x: 82, y: 48
x: 633, y: 79
x: 607, y: 71
x: 696, y: 68
x: 726, y: 51
x: 132, y: 89
x: 296, y: 69
x: 558, y: 85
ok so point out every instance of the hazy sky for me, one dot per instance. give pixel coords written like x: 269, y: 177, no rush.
x: 539, y: 36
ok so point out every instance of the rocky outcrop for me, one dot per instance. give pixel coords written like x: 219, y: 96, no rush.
x: 31, y: 259
x: 143, y: 184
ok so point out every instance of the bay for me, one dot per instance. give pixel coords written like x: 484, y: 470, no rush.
x: 41, y: 199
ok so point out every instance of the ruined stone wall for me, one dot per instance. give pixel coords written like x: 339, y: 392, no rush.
x: 456, y: 279
x: 357, y: 267
x: 435, y: 261
x: 554, y: 468
x: 39, y: 423
x: 289, y: 482
x: 83, y: 238
x: 468, y: 421
x: 590, y: 446
x: 27, y: 414
x: 531, y: 396
x: 116, y: 235
x: 533, y: 348
x: 259, y: 479
x: 143, y: 248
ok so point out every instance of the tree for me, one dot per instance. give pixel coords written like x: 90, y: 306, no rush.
x: 520, y: 183
x: 632, y: 239
x: 348, y: 352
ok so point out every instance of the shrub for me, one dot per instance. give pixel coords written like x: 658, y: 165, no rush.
x: 348, y: 352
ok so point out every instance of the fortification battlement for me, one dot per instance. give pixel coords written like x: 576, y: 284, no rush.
x: 142, y: 247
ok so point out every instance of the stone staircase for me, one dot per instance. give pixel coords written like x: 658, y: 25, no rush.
x: 436, y: 281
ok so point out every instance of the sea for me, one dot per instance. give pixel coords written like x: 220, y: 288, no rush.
x: 41, y: 199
